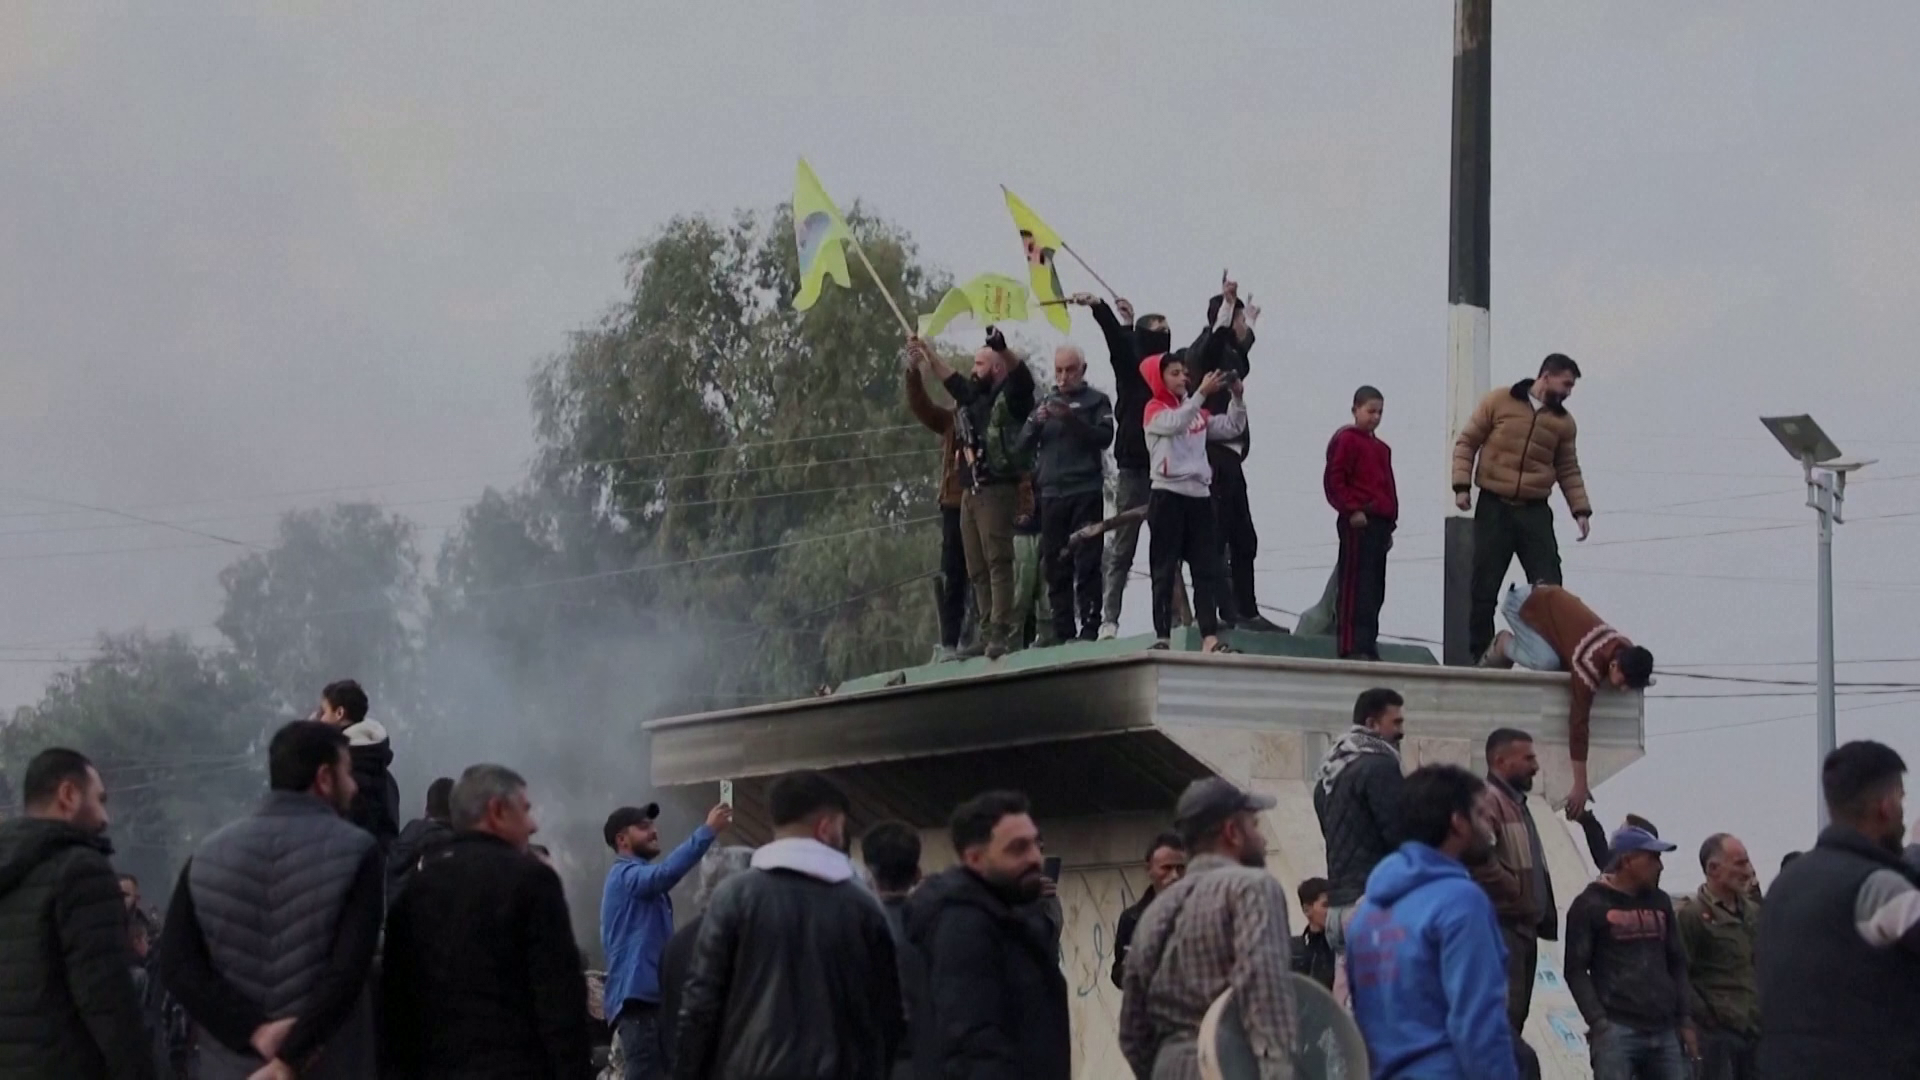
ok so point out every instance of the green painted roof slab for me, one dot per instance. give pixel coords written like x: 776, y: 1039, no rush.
x: 1185, y: 639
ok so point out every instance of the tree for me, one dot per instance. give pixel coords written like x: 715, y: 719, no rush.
x: 177, y: 733
x: 330, y: 600
x: 744, y: 470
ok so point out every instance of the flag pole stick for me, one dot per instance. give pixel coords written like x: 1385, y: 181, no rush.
x: 1090, y: 270
x: 875, y: 274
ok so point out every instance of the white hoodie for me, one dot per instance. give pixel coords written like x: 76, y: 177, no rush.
x: 1178, y: 433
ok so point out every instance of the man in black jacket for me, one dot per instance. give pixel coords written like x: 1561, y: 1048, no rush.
x: 998, y: 1000
x: 421, y: 835
x: 1356, y: 795
x: 1166, y: 864
x: 482, y: 975
x: 376, y: 800
x: 1838, y: 954
x: 67, y: 1002
x: 891, y: 851
x: 794, y: 975
x: 1071, y: 430
x: 717, y: 866
x: 1232, y: 511
x: 1127, y: 343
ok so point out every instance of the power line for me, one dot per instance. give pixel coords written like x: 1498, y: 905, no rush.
x: 1777, y: 719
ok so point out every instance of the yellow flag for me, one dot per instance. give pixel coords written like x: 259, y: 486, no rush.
x: 819, y: 230
x: 987, y: 299
x: 1040, y: 244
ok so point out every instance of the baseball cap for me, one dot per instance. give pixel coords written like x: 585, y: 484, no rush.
x: 1628, y: 838
x: 1209, y: 802
x: 619, y: 820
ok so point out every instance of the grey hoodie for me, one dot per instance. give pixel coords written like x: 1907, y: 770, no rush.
x: 1072, y: 447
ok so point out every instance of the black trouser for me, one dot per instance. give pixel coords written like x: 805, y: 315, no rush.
x: 1180, y: 529
x: 953, y: 578
x: 1362, y: 570
x: 1073, y: 577
x: 1727, y: 1056
x: 1233, y: 530
x: 1502, y: 529
x: 1523, y: 961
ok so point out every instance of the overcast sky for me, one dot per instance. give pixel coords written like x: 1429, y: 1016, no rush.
x: 259, y: 249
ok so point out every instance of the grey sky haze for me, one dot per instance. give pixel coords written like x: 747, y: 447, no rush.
x: 255, y: 249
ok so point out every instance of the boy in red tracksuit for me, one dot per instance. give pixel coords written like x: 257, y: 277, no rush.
x: 1359, y: 485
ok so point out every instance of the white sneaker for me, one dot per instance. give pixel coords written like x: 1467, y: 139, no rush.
x: 1109, y: 631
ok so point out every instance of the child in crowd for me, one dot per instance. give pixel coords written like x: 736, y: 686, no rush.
x: 1359, y: 483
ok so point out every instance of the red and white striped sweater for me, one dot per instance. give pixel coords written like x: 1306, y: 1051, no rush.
x: 1586, y: 647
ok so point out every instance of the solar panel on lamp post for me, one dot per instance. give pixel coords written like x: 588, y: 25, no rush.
x: 1826, y: 475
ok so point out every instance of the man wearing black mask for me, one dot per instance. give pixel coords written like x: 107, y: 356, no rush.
x: 1233, y: 514
x: 1128, y: 342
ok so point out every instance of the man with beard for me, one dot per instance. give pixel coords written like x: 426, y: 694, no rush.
x: 992, y: 404
x: 1166, y: 864
x: 997, y: 999
x: 1839, y: 948
x: 793, y: 974
x: 270, y: 937
x: 1222, y: 926
x: 1517, y: 444
x: 68, y: 1007
x: 1515, y: 876
x: 1425, y: 960
x: 1627, y: 969
x: 1356, y: 796
x: 636, y: 922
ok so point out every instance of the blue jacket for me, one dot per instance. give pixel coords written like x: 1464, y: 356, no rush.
x: 636, y: 919
x: 1429, y: 972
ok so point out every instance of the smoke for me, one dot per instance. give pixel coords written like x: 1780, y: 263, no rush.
x: 568, y: 718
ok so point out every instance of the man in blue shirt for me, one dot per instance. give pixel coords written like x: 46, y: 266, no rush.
x: 636, y: 919
x: 1425, y: 960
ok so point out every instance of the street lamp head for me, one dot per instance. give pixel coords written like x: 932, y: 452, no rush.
x: 1847, y: 465
x: 1802, y: 438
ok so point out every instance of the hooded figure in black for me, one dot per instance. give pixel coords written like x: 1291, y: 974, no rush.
x: 376, y: 801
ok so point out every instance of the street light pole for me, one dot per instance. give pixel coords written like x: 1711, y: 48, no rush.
x: 1469, y: 364
x: 1826, y: 476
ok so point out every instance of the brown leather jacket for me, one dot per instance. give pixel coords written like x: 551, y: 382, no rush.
x: 939, y: 420
x: 1508, y: 876
x: 1522, y: 451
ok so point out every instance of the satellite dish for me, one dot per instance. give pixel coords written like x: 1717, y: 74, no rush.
x: 1327, y: 1043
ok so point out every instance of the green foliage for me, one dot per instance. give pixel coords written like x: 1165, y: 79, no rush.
x: 175, y: 731
x: 328, y: 601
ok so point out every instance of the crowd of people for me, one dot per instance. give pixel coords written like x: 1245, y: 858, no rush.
x: 1023, y: 486
x: 316, y: 938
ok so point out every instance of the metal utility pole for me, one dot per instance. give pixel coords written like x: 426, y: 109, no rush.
x: 1826, y: 475
x: 1469, y: 357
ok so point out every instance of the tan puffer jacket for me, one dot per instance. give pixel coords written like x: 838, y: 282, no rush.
x: 1522, y: 452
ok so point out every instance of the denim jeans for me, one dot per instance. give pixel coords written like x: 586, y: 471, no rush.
x: 1528, y: 649
x: 639, y: 1033
x: 1624, y: 1053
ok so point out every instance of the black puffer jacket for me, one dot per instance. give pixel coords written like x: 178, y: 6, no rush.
x: 68, y: 1007
x: 482, y: 976
x: 998, y: 999
x: 418, y: 839
x: 1360, y: 822
x: 376, y: 800
x: 794, y: 978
